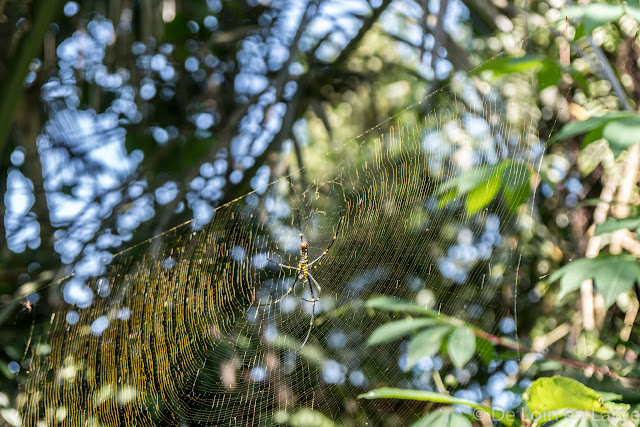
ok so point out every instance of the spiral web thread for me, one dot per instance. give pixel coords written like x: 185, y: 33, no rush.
x: 187, y: 342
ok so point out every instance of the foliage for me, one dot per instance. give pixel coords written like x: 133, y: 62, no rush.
x: 208, y: 104
x: 546, y: 399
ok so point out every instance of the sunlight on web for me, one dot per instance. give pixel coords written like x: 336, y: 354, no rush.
x: 188, y: 332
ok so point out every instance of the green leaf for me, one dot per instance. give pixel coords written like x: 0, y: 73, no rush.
x: 468, y: 180
x: 395, y: 330
x: 309, y: 418
x: 515, y: 176
x: 461, y: 346
x: 443, y: 418
x: 548, y: 395
x: 580, y: 32
x: 506, y: 65
x: 583, y: 420
x: 592, y: 136
x: 594, y: 15
x: 549, y: 75
x: 581, y: 127
x: 396, y: 304
x: 482, y: 183
x: 426, y: 343
x: 622, y: 134
x: 612, y: 274
x: 617, y: 409
x: 607, y: 396
x: 484, y: 193
x: 515, y: 198
x: 429, y: 396
x: 485, y: 350
x: 613, y: 224
x: 447, y: 198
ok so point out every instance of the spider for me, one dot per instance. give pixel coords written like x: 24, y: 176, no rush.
x: 27, y: 305
x: 304, y: 274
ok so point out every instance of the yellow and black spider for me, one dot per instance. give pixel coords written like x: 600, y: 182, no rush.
x: 304, y: 275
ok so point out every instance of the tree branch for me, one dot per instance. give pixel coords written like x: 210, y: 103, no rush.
x: 44, y: 11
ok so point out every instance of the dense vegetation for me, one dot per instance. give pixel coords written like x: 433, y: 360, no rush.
x: 122, y: 119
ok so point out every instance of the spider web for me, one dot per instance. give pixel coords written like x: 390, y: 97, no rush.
x: 183, y: 340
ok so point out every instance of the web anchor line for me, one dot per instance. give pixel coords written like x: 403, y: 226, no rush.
x: 291, y: 173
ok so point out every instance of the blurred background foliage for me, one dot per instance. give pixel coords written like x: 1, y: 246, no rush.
x: 121, y: 119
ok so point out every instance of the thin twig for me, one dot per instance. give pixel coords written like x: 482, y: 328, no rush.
x: 609, y: 74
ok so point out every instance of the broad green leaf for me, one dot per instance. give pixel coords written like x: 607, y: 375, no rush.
x: 515, y: 198
x: 617, y: 409
x: 612, y: 274
x: 595, y: 14
x: 483, y: 194
x: 395, y: 330
x: 581, y: 127
x: 397, y: 393
x: 443, y: 418
x: 481, y: 184
x: 622, y: 134
x: 582, y: 420
x: 580, y: 31
x: 548, y: 395
x: 571, y: 275
x: 614, y: 278
x: 396, y: 304
x: 309, y: 418
x: 485, y: 350
x: 515, y: 175
x: 593, y: 136
x: 426, y: 343
x: 608, y: 396
x: 447, y: 198
x: 469, y: 180
x: 461, y: 346
x: 506, y: 65
x: 549, y: 75
x: 613, y: 224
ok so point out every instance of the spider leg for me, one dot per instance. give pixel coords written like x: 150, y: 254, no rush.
x: 315, y: 283
x: 283, y: 296
x: 335, y: 236
x: 282, y: 265
x: 300, y: 227
x: 313, y: 315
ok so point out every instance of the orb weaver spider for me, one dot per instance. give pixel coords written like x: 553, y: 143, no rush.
x: 303, y: 273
